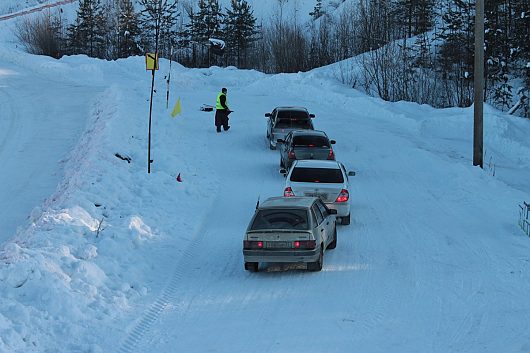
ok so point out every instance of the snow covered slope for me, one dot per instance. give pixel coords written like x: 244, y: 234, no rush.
x: 10, y: 6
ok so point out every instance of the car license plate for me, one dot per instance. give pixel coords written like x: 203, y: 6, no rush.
x: 312, y: 194
x: 279, y: 244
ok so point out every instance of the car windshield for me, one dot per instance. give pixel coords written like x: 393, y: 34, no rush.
x: 317, y: 175
x: 310, y: 141
x: 280, y: 219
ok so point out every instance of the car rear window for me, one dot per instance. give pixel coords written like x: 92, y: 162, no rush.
x: 280, y: 219
x: 310, y: 141
x: 293, y: 119
x: 317, y: 175
x: 293, y: 114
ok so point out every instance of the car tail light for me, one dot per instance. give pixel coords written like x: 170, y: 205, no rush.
x: 343, y: 196
x: 305, y: 244
x: 288, y: 192
x: 331, y: 155
x: 291, y: 155
x: 252, y: 244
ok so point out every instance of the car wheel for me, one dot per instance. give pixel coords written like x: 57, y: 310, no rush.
x: 333, y: 244
x: 317, y: 265
x: 271, y: 146
x: 252, y: 266
x: 345, y: 220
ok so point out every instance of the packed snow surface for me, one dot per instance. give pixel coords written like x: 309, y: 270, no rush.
x: 118, y: 260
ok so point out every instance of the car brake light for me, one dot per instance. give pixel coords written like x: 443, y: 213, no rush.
x: 331, y: 155
x: 291, y: 155
x: 288, y: 192
x: 343, y: 196
x: 305, y: 244
x: 252, y: 244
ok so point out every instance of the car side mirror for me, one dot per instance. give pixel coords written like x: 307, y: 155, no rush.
x: 283, y: 171
x: 267, y: 115
x: 351, y: 173
x: 279, y: 141
x: 333, y: 142
x: 332, y: 211
x: 311, y: 116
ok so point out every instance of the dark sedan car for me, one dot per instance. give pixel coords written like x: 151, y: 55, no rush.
x: 305, y: 144
x: 282, y: 120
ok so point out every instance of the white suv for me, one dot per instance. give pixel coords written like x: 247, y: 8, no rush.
x: 327, y: 180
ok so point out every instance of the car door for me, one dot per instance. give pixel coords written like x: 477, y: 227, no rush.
x: 329, y: 219
x: 322, y: 227
x: 346, y: 178
x: 270, y: 123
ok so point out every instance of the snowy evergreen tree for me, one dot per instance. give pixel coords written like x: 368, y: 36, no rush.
x: 413, y: 16
x: 205, y: 24
x: 455, y: 57
x: 87, y: 34
x: 128, y: 30
x: 520, y: 39
x: 239, y: 29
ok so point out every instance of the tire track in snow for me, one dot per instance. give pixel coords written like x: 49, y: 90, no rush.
x: 135, y: 337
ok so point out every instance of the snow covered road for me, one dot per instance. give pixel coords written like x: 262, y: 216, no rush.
x: 433, y: 260
x: 425, y: 266
x: 41, y: 122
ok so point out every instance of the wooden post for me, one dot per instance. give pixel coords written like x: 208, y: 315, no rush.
x: 478, y: 132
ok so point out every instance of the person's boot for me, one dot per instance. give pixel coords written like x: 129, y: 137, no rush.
x: 226, y: 128
x: 218, y: 129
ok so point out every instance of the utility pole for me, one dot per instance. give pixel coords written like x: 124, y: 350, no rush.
x: 478, y: 131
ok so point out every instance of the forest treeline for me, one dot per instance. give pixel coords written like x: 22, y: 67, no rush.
x: 414, y: 50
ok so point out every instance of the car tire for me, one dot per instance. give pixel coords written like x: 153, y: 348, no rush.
x: 252, y: 266
x: 345, y: 220
x: 333, y: 244
x: 271, y: 146
x: 317, y: 265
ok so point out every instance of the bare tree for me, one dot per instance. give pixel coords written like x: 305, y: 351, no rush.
x: 42, y: 35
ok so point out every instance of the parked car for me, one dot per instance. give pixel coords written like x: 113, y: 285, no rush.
x: 305, y: 144
x: 282, y: 120
x: 290, y: 229
x: 327, y: 180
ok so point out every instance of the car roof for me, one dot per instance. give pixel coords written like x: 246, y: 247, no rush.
x: 287, y: 202
x: 309, y: 133
x: 292, y: 108
x: 316, y: 163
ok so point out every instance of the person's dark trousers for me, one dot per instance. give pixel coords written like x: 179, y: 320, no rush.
x: 219, y: 119
x: 225, y: 122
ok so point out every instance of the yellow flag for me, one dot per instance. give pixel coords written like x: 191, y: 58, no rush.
x: 177, y: 110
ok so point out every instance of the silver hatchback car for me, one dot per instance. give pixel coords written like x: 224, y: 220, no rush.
x: 294, y: 229
x: 327, y: 180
